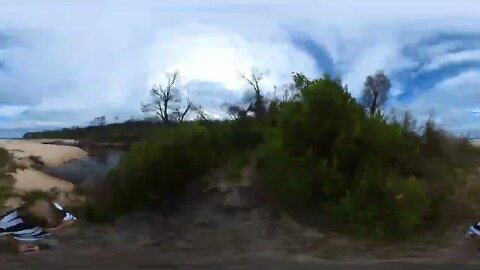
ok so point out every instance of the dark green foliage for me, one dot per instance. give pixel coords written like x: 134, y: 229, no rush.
x: 164, y: 167
x: 6, y: 187
x: 160, y: 170
x: 130, y: 131
x: 328, y: 155
x: 5, y: 157
x: 6, y: 180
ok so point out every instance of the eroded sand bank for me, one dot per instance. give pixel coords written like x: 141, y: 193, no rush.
x: 30, y: 179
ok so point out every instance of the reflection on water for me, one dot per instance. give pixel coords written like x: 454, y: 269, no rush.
x: 87, y: 169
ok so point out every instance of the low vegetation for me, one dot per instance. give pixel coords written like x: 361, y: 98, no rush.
x: 318, y: 151
x: 35, y: 195
x: 7, y: 191
x: 6, y: 181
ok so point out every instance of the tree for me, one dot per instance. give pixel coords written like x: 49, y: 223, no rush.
x: 257, y: 101
x: 409, y: 124
x: 300, y: 81
x: 375, y: 92
x: 166, y: 101
x: 235, y: 110
x: 252, y: 102
x: 201, y: 114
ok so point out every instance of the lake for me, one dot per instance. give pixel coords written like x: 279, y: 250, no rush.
x: 87, y: 169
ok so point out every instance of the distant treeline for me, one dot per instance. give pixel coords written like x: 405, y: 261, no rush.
x: 129, y: 131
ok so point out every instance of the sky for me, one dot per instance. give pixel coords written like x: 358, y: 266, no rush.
x: 63, y: 63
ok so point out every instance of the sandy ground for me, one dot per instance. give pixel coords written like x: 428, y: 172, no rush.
x: 28, y: 178
x: 51, y: 155
x: 31, y: 179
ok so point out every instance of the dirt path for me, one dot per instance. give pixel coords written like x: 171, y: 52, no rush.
x: 243, y: 240
x: 150, y: 259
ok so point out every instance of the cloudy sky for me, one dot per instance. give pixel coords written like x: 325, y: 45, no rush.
x: 64, y: 62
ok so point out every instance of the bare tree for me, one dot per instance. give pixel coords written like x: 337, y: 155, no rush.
x: 257, y: 101
x: 375, y: 92
x: 166, y: 101
x: 178, y: 115
x: 235, y: 110
x: 253, y: 102
x: 201, y: 114
x: 409, y: 124
x: 286, y: 92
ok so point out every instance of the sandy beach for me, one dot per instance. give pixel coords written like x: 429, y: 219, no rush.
x: 50, y: 154
x: 30, y: 179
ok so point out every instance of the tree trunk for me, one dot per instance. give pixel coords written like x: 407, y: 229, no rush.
x: 373, y: 107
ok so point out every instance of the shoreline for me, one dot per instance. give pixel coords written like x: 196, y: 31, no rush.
x: 48, y: 154
x: 29, y: 155
x: 476, y: 142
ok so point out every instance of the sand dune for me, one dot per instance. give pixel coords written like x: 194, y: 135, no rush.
x: 29, y: 178
x: 51, y: 155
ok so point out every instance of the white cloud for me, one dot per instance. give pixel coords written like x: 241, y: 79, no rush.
x: 453, y: 58
x: 71, y: 61
x: 385, y: 57
x: 453, y: 101
x: 12, y: 110
x: 204, y: 53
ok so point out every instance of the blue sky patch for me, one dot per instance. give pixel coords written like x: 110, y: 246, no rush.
x: 320, y: 54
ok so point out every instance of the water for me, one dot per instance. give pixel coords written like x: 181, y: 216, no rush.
x: 87, y: 169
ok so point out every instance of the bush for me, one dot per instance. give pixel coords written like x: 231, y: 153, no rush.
x: 6, y: 181
x: 409, y: 203
x: 161, y: 169
x: 5, y: 157
x: 328, y: 155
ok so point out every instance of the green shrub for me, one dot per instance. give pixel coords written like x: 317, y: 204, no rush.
x: 6, y: 188
x: 410, y: 202
x: 328, y: 155
x: 6, y: 180
x: 361, y: 220
x: 5, y: 157
x: 153, y: 171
